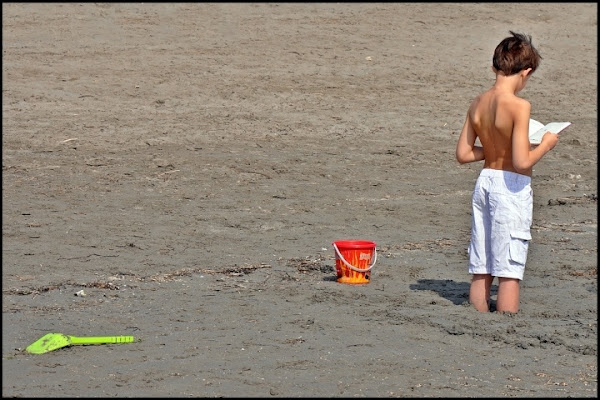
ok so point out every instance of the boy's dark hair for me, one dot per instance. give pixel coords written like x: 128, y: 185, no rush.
x: 516, y: 53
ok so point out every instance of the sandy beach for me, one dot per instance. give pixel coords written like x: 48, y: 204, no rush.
x: 178, y: 172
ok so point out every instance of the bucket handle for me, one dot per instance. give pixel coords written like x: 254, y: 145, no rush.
x: 352, y: 267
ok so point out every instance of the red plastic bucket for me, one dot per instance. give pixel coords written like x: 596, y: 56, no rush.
x: 353, y: 260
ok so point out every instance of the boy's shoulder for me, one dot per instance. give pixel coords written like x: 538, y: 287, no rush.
x: 500, y: 98
x: 516, y: 103
x: 492, y: 101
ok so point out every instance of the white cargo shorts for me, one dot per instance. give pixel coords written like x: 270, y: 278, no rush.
x: 501, y: 222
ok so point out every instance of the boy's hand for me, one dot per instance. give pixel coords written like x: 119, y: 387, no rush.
x: 550, y: 140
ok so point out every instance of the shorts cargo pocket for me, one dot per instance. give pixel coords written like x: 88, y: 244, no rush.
x: 519, y: 243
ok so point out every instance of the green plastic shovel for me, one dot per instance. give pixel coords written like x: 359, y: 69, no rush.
x: 53, y: 341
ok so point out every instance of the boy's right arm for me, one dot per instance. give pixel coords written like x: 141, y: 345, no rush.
x: 524, y: 158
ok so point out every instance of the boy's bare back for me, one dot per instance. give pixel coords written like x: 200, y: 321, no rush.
x: 495, y: 116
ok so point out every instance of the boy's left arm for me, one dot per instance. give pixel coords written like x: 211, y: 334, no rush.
x: 466, y: 151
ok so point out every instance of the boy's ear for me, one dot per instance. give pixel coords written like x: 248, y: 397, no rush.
x: 528, y: 71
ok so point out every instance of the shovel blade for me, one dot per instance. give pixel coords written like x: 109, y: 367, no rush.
x: 48, y: 342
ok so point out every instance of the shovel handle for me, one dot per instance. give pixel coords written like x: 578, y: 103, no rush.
x: 101, y: 339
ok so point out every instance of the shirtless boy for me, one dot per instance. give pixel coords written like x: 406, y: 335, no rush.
x: 502, y: 202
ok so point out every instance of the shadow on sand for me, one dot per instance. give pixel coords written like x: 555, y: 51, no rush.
x: 456, y: 292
